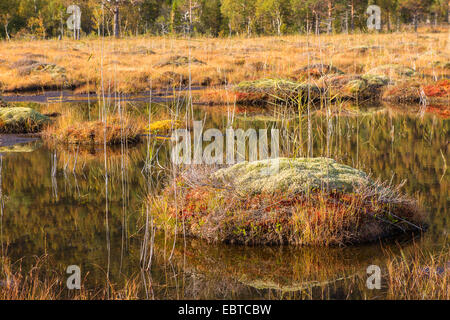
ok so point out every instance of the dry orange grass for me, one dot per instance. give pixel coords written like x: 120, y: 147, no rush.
x: 70, y: 128
x: 38, y: 282
x: 421, y: 275
x: 130, y: 65
x: 113, y: 132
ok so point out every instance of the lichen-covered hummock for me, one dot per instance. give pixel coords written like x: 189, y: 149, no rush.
x: 353, y: 86
x: 393, y: 71
x: 366, y: 86
x: 274, y: 87
x: 21, y: 120
x: 275, y: 90
x: 291, y: 175
x: 304, y: 201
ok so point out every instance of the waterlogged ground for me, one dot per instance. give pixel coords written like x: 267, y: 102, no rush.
x: 59, y: 201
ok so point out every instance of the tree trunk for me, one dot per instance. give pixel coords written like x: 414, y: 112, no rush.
x: 62, y: 24
x: 6, y: 30
x: 415, y: 23
x: 346, y: 21
x: 448, y: 13
x: 108, y: 25
x: 317, y: 24
x: 330, y: 17
x: 307, y: 22
x: 388, y: 21
x: 116, y: 22
x: 279, y: 23
x: 352, y: 13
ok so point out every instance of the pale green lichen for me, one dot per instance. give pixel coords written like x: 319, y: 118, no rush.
x: 20, y: 148
x: 376, y: 80
x: 274, y: 86
x: 353, y: 86
x: 291, y: 176
x: 21, y: 120
x: 392, y: 71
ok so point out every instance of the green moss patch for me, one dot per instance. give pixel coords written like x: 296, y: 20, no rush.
x: 21, y: 120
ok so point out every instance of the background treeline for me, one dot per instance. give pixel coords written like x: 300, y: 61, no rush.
x: 47, y: 18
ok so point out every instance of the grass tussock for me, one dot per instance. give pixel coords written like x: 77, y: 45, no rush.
x: 113, y: 131
x: 205, y: 207
x: 35, y: 284
x: 275, y: 91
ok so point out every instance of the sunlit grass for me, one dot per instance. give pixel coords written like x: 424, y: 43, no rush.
x: 135, y: 63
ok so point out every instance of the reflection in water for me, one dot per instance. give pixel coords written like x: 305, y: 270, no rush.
x: 85, y: 206
x: 1, y: 204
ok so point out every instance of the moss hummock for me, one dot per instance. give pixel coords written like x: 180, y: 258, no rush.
x: 275, y: 90
x: 393, y: 71
x: 364, y: 87
x: 314, y: 201
x: 21, y: 120
x: 352, y: 86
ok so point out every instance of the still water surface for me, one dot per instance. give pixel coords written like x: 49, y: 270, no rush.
x: 57, y: 203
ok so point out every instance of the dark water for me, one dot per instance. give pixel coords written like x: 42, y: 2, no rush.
x: 62, y: 207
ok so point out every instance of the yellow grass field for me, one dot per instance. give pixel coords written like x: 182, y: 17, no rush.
x: 134, y: 64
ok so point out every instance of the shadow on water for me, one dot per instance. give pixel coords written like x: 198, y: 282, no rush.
x: 55, y: 198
